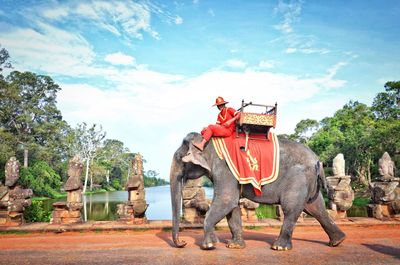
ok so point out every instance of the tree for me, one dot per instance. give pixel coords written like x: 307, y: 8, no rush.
x: 111, y: 154
x: 304, y: 130
x: 4, y: 63
x: 350, y: 132
x: 87, y: 142
x: 386, y: 105
x: 28, y: 110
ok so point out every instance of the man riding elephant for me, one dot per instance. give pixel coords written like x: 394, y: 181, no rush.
x: 224, y: 127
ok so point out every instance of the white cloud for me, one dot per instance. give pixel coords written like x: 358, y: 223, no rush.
x: 265, y: 64
x: 151, y: 112
x: 235, y: 63
x: 211, y: 12
x: 56, y: 13
x: 129, y: 19
x: 290, y: 14
x: 334, y: 69
x: 178, y: 20
x: 119, y: 59
x: 291, y: 50
x: 51, y: 50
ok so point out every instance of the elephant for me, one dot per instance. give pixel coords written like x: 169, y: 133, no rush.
x: 297, y: 189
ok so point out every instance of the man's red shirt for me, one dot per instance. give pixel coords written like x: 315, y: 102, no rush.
x: 225, y: 115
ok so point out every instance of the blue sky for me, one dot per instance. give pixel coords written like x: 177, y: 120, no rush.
x: 149, y: 71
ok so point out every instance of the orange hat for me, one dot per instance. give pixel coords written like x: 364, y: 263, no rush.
x: 220, y: 101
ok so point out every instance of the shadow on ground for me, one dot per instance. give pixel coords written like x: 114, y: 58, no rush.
x: 387, y: 250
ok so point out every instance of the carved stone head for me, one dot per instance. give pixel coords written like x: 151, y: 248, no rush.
x: 12, y: 172
x: 386, y: 166
x: 74, y: 172
x: 137, y: 165
x: 339, y: 165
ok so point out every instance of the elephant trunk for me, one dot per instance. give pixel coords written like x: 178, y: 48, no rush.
x: 176, y: 201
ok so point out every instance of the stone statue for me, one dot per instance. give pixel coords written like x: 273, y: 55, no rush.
x: 69, y: 212
x: 338, y: 165
x: 386, y: 167
x: 135, y: 180
x: 13, y: 198
x: 133, y: 211
x: 12, y: 171
x: 75, y: 168
x: 195, y: 204
x: 340, y: 193
x: 385, y: 191
x: 248, y: 210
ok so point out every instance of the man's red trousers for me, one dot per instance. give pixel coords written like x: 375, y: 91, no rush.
x: 216, y: 130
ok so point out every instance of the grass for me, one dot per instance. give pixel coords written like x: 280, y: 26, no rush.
x: 253, y: 227
x: 95, y: 191
x: 13, y: 232
x: 361, y: 201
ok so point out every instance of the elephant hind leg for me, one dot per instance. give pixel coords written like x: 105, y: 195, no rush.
x: 292, y: 210
x: 318, y: 210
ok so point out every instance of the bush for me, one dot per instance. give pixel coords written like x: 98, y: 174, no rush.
x: 42, y: 179
x: 37, y: 213
x: 116, y: 184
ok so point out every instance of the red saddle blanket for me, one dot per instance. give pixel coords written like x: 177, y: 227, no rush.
x: 258, y: 164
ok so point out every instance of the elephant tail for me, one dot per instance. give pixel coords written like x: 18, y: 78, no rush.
x: 321, y: 181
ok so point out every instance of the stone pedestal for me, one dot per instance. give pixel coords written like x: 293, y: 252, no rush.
x: 13, y: 198
x: 64, y: 213
x: 133, y: 211
x: 195, y: 204
x: 248, y: 210
x: 69, y: 212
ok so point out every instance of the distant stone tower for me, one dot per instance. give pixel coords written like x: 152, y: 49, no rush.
x: 133, y: 211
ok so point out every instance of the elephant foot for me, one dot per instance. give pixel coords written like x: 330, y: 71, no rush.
x: 336, y: 242
x: 180, y: 244
x: 281, y: 246
x: 236, y: 244
x: 207, y: 246
x: 214, y: 238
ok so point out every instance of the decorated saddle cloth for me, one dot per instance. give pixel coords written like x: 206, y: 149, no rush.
x: 258, y: 164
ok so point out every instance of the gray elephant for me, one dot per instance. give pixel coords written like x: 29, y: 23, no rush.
x: 296, y: 189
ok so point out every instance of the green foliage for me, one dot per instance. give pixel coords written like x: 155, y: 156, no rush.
x: 206, y: 182
x: 151, y: 180
x: 266, y: 211
x: 42, y: 179
x: 116, y: 184
x: 304, y: 129
x: 360, y: 132
x: 36, y: 213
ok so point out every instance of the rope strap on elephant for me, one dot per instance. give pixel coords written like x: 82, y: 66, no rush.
x: 254, y: 160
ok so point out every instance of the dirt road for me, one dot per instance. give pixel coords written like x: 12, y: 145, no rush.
x: 364, y: 245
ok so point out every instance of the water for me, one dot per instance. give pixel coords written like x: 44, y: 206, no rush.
x: 103, y: 206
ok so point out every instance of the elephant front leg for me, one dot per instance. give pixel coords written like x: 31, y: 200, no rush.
x: 218, y: 210
x: 235, y: 225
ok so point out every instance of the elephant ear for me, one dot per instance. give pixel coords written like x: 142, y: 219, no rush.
x: 194, y: 156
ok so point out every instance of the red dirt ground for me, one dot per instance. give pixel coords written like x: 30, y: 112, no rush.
x: 379, y: 244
